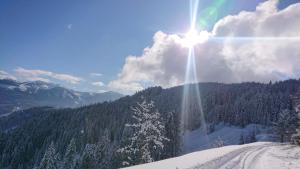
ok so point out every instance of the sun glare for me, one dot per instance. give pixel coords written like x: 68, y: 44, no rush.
x: 193, y: 37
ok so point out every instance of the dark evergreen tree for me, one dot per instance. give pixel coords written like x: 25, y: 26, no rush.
x: 50, y: 159
x: 103, y: 151
x: 252, y: 137
x: 173, y: 132
x: 242, y: 139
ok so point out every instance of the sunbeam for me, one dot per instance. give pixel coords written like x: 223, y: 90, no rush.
x: 191, y: 99
x: 193, y: 37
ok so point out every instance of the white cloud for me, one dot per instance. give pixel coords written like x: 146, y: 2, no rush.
x: 240, y: 56
x: 42, y: 75
x: 96, y: 74
x: 69, y: 26
x: 5, y: 75
x: 99, y: 84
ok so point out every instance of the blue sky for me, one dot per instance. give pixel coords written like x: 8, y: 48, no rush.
x: 79, y: 37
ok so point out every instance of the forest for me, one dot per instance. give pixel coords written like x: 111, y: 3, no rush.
x: 114, y: 134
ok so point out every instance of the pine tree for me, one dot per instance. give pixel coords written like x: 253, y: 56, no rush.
x: 296, y: 137
x: 253, y: 137
x: 285, y: 125
x: 103, y: 153
x: 219, y: 143
x: 50, y: 159
x: 69, y: 159
x: 148, y: 138
x: 96, y: 155
x: 173, y: 132
x: 242, y: 140
x: 88, y: 160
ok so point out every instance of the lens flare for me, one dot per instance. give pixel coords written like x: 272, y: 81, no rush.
x: 193, y: 37
x: 191, y: 109
x: 209, y: 15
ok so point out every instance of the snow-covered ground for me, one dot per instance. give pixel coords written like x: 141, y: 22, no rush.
x: 231, y: 135
x: 259, y: 155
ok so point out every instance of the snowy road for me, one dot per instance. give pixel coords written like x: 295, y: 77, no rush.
x: 261, y: 155
x: 252, y: 157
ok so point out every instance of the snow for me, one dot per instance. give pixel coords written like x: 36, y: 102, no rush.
x: 259, y: 155
x: 11, y: 87
x: 197, y: 139
x: 44, y: 86
x: 16, y: 108
x: 76, y: 94
x: 23, y: 87
x: 38, y: 86
x: 5, y: 114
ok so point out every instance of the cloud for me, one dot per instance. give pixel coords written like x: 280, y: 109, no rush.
x: 263, y: 58
x: 42, y: 75
x: 5, y: 75
x: 260, y: 45
x: 99, y: 84
x: 69, y: 26
x: 96, y: 74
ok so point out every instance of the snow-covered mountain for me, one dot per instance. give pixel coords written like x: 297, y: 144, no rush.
x: 259, y: 155
x: 22, y: 95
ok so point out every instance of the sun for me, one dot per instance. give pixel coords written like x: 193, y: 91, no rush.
x: 193, y: 37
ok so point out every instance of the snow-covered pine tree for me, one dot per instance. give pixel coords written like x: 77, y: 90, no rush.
x: 50, y: 159
x: 219, y: 142
x: 285, y: 125
x: 88, y: 160
x: 69, y: 159
x: 296, y: 137
x: 95, y: 156
x: 147, y: 141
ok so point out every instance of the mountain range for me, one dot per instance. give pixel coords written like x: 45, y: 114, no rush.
x: 16, y: 96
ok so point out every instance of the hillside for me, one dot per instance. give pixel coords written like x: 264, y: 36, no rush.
x: 227, y: 134
x: 259, y: 155
x: 235, y: 105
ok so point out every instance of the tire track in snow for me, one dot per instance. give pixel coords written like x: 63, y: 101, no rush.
x: 237, y: 159
x: 253, y: 160
x: 221, y: 161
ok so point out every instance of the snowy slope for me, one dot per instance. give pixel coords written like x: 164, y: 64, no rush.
x: 259, y: 155
x: 197, y: 139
